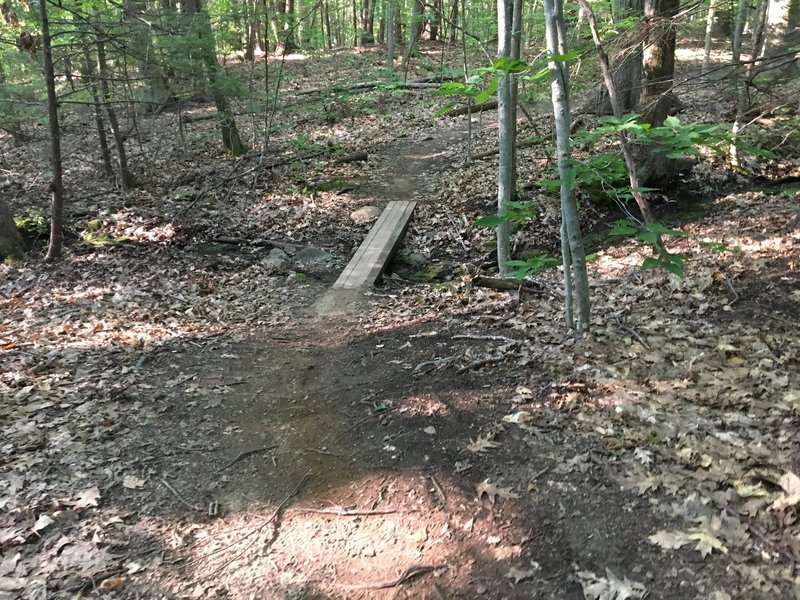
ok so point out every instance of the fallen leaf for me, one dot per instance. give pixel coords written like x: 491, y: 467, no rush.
x: 669, y: 540
x: 482, y: 444
x: 132, y: 483
x: 520, y: 575
x: 87, y: 498
x: 522, y: 416
x: 42, y: 522
x: 430, y: 430
x: 609, y: 587
x: 492, y: 491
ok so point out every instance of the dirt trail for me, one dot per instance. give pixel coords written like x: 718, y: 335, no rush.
x: 339, y: 463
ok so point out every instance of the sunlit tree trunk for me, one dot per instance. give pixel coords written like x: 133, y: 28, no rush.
x: 56, y: 244
x: 390, y: 35
x: 368, y: 22
x: 709, y: 37
x: 576, y: 281
x: 506, y: 127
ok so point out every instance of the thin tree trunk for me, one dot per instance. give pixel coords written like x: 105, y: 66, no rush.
x: 743, y: 100
x: 327, y: 23
x: 616, y: 108
x: 390, y: 39
x: 738, y: 34
x: 709, y: 37
x: 454, y: 22
x: 506, y: 129
x: 126, y: 178
x: 415, y: 23
x: 575, y: 275
x: 56, y: 244
x: 231, y: 141
x: 436, y: 19
x: 98, y: 114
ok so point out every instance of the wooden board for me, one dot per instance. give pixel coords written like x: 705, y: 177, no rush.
x: 371, y: 258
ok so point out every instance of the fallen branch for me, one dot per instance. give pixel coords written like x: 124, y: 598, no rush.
x: 179, y: 497
x: 463, y: 110
x: 351, y: 158
x: 245, y: 454
x: 409, y: 573
x: 489, y: 338
x: 478, y: 364
x: 363, y: 86
x: 507, y: 285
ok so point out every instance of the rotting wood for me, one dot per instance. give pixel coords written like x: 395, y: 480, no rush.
x: 475, y: 108
x: 371, y: 258
x: 364, y: 86
x: 507, y: 285
x: 351, y: 158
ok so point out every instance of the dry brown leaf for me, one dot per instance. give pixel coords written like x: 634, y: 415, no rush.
x: 482, y: 444
x: 492, y: 491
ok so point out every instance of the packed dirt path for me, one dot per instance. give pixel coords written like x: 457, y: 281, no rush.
x: 332, y: 455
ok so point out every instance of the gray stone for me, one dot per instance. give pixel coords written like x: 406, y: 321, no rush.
x: 277, y: 260
x: 365, y: 214
x: 312, y: 257
x: 415, y: 259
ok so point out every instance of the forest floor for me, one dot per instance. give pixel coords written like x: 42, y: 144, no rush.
x: 188, y: 410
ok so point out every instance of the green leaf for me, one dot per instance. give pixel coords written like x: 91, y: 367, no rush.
x: 662, y: 230
x: 621, y: 229
x: 444, y: 109
x: 482, y: 97
x: 572, y: 54
x: 510, y: 65
x: 490, y: 221
x: 648, y: 236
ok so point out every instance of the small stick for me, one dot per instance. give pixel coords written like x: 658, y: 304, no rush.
x: 409, y: 573
x: 245, y: 454
x: 438, y: 488
x: 489, y: 338
x: 344, y: 512
x: 633, y: 333
x: 481, y: 363
x: 178, y: 496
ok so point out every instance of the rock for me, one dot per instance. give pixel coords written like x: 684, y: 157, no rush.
x: 365, y: 214
x: 415, y: 259
x: 312, y: 257
x: 277, y: 260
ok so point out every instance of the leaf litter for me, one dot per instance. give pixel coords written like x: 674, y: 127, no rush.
x: 673, y: 424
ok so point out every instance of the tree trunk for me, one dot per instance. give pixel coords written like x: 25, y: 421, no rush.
x: 390, y: 37
x: 126, y: 178
x: 10, y: 240
x: 327, y: 22
x: 231, y: 141
x: 576, y: 280
x: 56, y: 244
x: 98, y: 113
x: 506, y: 180
x: 436, y: 19
x: 657, y: 101
x: 415, y: 23
x: 368, y: 22
x: 783, y: 27
x: 743, y: 100
x: 628, y: 73
x: 709, y: 38
x: 454, y: 22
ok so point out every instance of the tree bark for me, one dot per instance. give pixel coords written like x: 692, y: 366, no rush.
x: 575, y: 276
x: 10, y: 240
x: 98, y: 113
x: 390, y: 36
x: 506, y: 131
x: 126, y: 178
x: 415, y: 25
x: 709, y: 37
x: 56, y: 244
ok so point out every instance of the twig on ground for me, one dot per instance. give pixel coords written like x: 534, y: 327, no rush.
x: 488, y: 338
x: 484, y: 362
x: 245, y: 454
x: 438, y: 488
x: 252, y: 534
x: 179, y: 497
x: 345, y: 512
x: 409, y: 573
x: 435, y: 364
x: 633, y: 332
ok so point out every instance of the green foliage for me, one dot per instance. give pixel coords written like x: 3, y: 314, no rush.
x: 519, y: 212
x: 33, y: 226
x: 652, y: 235
x: 534, y: 264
